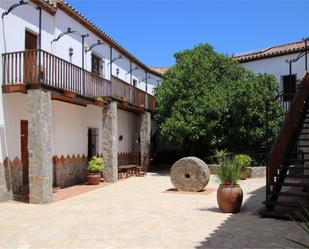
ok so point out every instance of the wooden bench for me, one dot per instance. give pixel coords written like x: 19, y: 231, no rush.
x: 129, y: 164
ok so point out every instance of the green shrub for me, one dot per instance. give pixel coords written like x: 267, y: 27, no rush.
x: 96, y: 165
x: 228, y: 172
x: 243, y: 161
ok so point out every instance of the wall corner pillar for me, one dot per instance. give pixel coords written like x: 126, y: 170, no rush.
x: 40, y: 146
x: 145, y: 136
x: 110, y: 142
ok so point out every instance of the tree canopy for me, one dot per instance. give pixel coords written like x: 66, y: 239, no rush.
x: 208, y: 100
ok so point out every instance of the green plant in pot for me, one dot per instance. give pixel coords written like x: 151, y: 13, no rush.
x: 220, y: 155
x: 229, y: 193
x: 95, y: 169
x: 243, y: 162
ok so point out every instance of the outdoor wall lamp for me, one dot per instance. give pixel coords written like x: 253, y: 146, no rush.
x: 71, y: 52
x: 117, y: 71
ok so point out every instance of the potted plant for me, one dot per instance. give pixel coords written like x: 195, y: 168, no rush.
x: 95, y: 168
x: 220, y: 155
x: 229, y: 193
x: 98, y: 101
x: 125, y: 100
x: 69, y: 93
x: 243, y: 162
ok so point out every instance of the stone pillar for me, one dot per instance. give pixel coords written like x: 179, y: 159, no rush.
x: 110, y: 142
x: 145, y: 133
x: 40, y: 146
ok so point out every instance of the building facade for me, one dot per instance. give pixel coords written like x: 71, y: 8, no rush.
x: 69, y: 91
x: 286, y: 62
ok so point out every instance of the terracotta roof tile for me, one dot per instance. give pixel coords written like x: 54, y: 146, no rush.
x: 65, y: 6
x: 272, y: 51
x: 160, y: 70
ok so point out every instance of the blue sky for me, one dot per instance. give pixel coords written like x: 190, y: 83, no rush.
x: 154, y: 30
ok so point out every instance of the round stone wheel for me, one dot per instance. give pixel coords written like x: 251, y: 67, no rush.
x: 190, y: 174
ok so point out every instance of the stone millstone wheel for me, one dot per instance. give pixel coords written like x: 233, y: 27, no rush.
x: 190, y: 174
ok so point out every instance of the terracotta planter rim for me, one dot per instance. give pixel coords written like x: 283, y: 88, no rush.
x: 230, y: 186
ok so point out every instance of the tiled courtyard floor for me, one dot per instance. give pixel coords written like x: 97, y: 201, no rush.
x: 136, y: 213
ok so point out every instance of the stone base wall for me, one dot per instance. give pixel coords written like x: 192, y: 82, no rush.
x: 69, y: 171
x: 14, y: 174
x: 252, y: 172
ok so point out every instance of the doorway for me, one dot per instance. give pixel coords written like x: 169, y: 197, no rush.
x: 92, y: 142
x: 24, y: 150
x: 30, y: 57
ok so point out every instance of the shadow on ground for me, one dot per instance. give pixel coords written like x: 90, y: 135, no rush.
x: 160, y: 169
x: 248, y: 230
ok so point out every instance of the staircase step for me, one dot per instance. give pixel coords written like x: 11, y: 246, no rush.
x: 298, y: 160
x: 297, y: 176
x: 287, y: 204
x: 291, y: 194
x: 278, y: 215
x: 296, y: 184
x: 303, y: 139
x: 302, y: 146
x: 299, y: 167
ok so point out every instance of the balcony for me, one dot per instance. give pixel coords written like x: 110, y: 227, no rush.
x: 32, y: 68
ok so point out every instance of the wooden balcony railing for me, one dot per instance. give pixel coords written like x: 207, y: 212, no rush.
x: 22, y: 68
x: 135, y: 96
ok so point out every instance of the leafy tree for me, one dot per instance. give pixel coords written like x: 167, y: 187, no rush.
x: 209, y: 100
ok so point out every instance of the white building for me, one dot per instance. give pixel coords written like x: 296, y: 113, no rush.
x: 50, y: 119
x: 275, y: 60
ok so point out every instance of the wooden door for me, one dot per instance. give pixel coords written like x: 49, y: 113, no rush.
x: 30, y: 58
x: 24, y: 150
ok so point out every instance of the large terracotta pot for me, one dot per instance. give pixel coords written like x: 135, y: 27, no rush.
x: 229, y: 198
x: 93, y: 179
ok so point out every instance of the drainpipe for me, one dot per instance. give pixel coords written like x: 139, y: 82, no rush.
x: 40, y: 78
x: 111, y: 67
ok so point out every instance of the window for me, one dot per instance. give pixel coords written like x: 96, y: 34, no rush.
x: 289, y: 86
x: 134, y: 82
x: 97, y: 65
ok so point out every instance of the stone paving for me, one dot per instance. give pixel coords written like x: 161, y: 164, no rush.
x: 136, y: 213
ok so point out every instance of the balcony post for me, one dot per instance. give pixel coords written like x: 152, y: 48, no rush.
x: 40, y: 45
x: 111, y: 69
x: 146, y: 88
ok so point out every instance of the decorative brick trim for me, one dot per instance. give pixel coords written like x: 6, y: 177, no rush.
x: 59, y: 161
x: 14, y: 173
x: 69, y: 170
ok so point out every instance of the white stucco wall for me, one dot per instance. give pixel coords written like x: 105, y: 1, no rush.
x: 128, y: 127
x: 277, y: 66
x: 70, y: 127
x: 15, y: 110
